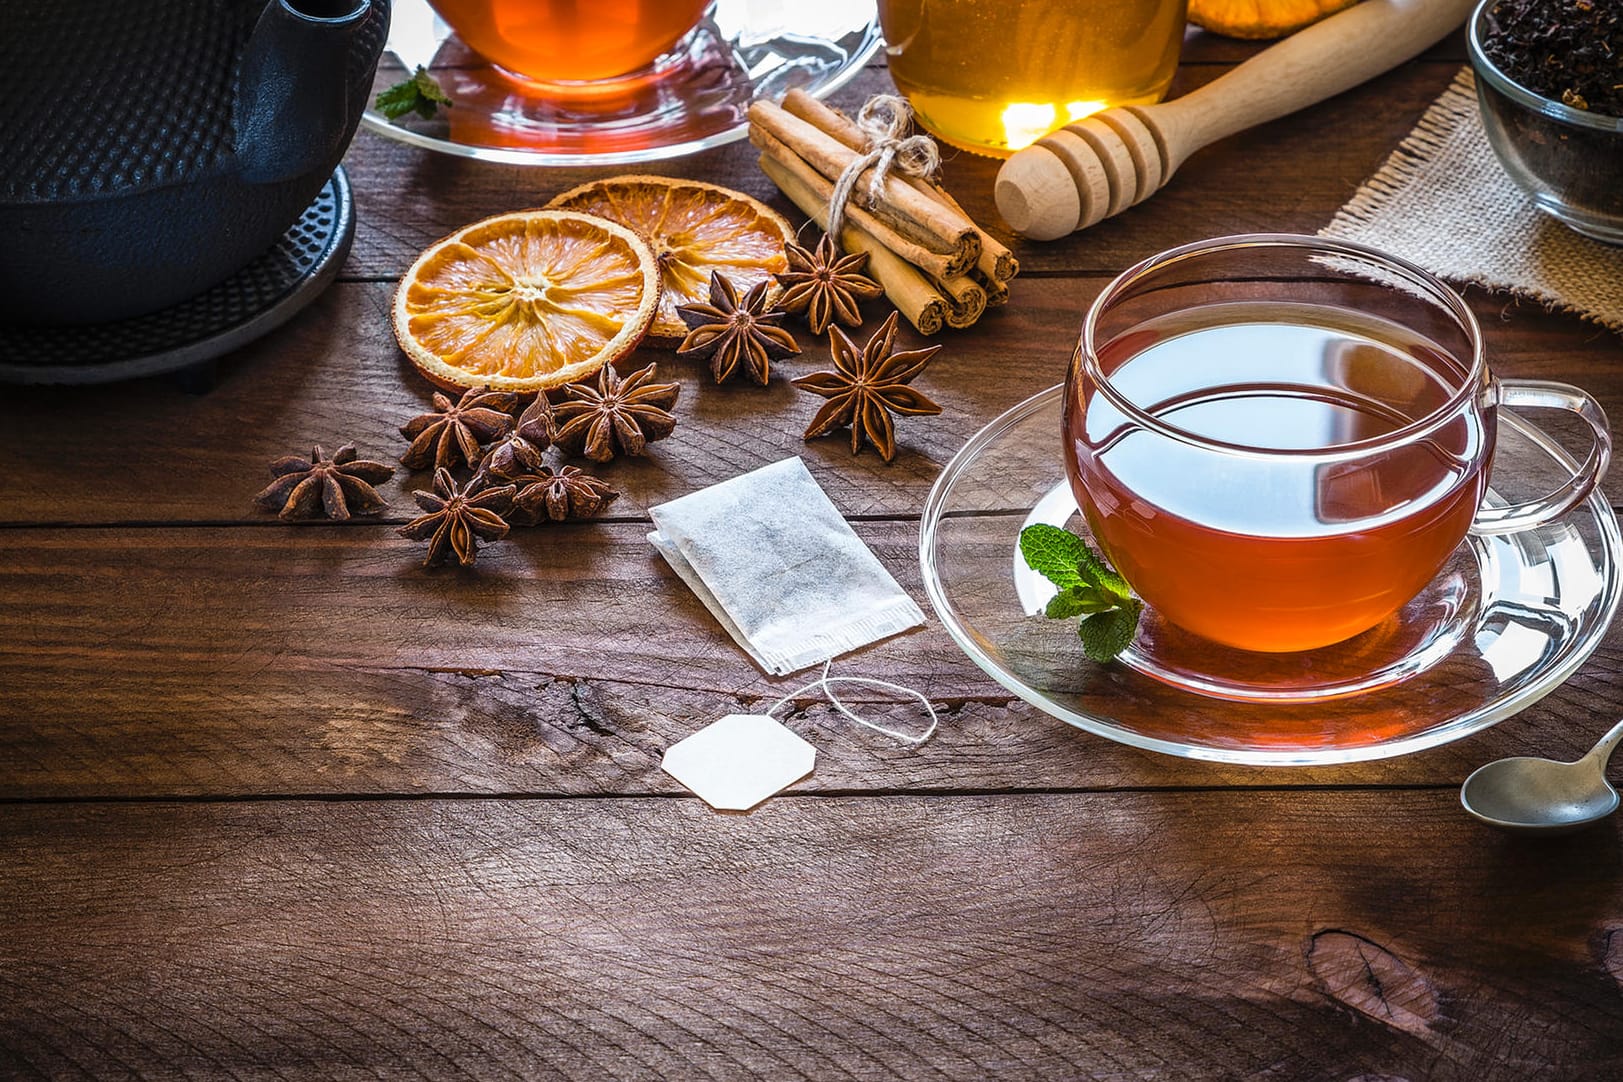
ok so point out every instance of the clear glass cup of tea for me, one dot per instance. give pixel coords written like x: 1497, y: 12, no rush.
x: 568, y: 41
x: 1280, y: 440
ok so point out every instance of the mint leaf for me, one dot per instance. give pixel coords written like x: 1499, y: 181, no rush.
x: 1077, y: 601
x: 1088, y: 587
x: 1054, y: 554
x: 421, y: 94
x: 1106, y: 634
x: 1096, y: 571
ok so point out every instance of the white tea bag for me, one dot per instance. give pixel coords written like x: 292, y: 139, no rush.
x: 770, y: 556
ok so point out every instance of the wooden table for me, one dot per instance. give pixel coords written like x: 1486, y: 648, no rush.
x: 280, y: 803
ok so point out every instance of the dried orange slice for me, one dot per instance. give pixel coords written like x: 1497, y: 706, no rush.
x: 694, y: 228
x: 1259, y: 19
x: 526, y: 301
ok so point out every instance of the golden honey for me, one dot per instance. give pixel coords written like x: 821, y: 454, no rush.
x: 993, y: 76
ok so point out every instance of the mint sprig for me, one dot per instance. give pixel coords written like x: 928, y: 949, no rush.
x: 1088, y: 587
x: 421, y: 94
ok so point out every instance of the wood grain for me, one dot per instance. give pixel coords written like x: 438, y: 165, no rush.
x: 277, y: 803
x: 1148, y: 935
x: 150, y: 452
x: 162, y: 662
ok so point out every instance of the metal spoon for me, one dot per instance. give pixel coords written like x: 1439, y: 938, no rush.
x: 1542, y: 796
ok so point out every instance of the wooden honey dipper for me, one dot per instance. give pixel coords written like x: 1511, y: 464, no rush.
x: 1105, y: 163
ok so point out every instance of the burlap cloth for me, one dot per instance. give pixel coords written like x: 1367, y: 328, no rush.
x: 1442, y: 201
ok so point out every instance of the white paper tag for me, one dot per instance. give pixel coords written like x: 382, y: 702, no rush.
x: 737, y: 761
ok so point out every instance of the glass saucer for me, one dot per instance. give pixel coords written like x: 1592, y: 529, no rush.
x: 692, y: 98
x: 1505, y: 622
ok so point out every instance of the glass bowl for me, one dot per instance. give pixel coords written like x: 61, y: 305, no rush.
x: 1505, y: 622
x: 1569, y: 161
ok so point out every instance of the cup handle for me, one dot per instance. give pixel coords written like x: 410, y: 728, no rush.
x: 1530, y: 513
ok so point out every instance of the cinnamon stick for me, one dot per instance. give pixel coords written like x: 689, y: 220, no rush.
x: 928, y: 222
x: 966, y: 301
x: 996, y: 261
x: 997, y: 293
x: 931, y: 263
x: 909, y: 290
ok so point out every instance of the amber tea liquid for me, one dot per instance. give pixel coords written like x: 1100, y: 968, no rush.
x: 570, y: 40
x: 1275, y: 553
x: 994, y: 75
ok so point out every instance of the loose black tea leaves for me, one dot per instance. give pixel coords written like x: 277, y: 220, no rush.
x: 1570, y: 51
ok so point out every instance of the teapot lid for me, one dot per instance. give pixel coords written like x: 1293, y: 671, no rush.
x: 106, y: 98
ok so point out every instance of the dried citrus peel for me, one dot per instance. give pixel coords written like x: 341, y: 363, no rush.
x: 526, y: 301
x: 694, y: 229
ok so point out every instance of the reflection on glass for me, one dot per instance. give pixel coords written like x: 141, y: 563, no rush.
x: 1513, y: 649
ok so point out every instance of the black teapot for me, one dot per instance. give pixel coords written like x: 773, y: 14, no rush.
x: 151, y: 148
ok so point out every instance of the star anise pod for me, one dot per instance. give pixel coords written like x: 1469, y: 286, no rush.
x: 519, y: 452
x: 867, y: 387
x: 439, y: 438
x: 735, y: 333
x: 618, y: 416
x: 825, y: 285
x: 335, y: 487
x: 456, y: 518
x: 550, y: 495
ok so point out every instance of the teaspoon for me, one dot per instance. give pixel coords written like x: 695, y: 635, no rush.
x: 1542, y: 796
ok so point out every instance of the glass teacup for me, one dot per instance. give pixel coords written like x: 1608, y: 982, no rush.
x: 1279, y: 441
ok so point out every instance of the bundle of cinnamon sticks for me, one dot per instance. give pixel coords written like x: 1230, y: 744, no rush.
x: 937, y: 266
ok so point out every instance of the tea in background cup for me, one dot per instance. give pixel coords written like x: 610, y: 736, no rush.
x: 994, y: 75
x: 571, y: 40
x: 1279, y: 440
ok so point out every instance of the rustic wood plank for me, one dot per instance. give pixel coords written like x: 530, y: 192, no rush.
x: 152, y: 452
x: 1022, y: 936
x: 1288, y: 176
x: 227, y: 662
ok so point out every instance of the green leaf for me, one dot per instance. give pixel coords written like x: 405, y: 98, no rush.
x: 1088, y: 587
x: 420, y: 94
x: 1053, y: 553
x: 1096, y: 571
x: 1106, y: 634
x: 1077, y: 601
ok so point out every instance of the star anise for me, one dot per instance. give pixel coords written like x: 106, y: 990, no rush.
x: 735, y: 333
x: 550, y: 495
x: 439, y: 438
x: 867, y: 387
x: 619, y: 416
x: 825, y: 285
x: 519, y: 452
x: 335, y: 487
x: 457, y: 518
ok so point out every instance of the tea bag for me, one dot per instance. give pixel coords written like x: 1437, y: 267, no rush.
x: 773, y: 560
x: 739, y: 760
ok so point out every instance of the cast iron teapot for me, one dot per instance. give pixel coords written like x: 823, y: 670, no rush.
x: 151, y: 148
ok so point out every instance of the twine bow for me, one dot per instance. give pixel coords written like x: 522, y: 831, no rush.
x: 885, y: 120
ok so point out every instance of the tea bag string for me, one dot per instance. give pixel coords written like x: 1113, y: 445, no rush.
x: 827, y: 682
x: 885, y: 119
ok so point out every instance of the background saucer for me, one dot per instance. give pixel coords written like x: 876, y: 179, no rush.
x: 1524, y: 611
x: 693, y: 98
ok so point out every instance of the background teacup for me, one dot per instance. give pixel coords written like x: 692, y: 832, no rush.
x: 571, y: 40
x: 1280, y: 440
